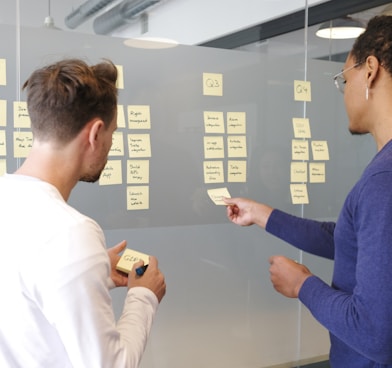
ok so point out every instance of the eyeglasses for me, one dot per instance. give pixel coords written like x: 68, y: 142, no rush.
x: 340, y: 81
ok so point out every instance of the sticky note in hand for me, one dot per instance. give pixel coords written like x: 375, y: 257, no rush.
x: 217, y: 194
x: 129, y: 258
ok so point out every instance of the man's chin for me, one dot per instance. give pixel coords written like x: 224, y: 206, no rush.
x: 90, y: 178
x: 357, y: 132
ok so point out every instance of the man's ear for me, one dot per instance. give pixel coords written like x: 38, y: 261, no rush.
x: 95, y: 127
x: 372, y: 69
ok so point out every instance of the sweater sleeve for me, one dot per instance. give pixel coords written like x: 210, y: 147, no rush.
x: 361, y: 318
x: 309, y: 235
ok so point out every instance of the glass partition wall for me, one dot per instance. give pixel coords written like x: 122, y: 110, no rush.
x: 220, y: 309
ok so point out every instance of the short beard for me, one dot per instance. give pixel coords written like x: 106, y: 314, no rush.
x: 90, y: 178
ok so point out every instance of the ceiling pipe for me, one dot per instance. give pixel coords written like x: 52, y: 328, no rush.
x: 122, y: 14
x: 85, y: 11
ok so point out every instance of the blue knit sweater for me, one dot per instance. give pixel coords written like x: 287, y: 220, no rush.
x: 357, y: 307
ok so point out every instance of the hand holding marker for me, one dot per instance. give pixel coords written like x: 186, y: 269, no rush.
x: 129, y: 258
x: 140, y: 270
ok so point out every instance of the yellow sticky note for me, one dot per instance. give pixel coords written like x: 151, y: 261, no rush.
x: 212, y: 84
x: 138, y: 171
x: 320, y: 150
x: 23, y: 141
x: 112, y: 173
x: 236, y: 171
x: 213, y: 147
x: 120, y: 77
x: 129, y: 258
x: 3, y: 146
x: 300, y: 150
x: 301, y: 128
x: 120, y: 116
x: 317, y: 172
x: 236, y: 146
x: 21, y: 115
x: 3, y: 112
x: 299, y: 194
x: 236, y: 123
x: 217, y: 194
x: 139, y: 117
x: 3, y: 72
x: 302, y: 91
x: 213, y: 172
x: 214, y: 122
x: 117, y: 148
x: 3, y: 167
x: 139, y: 145
x: 138, y: 197
x: 299, y: 172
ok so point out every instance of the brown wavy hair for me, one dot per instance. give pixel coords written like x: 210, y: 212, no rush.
x: 63, y: 97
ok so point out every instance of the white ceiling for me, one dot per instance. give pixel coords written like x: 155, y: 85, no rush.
x: 293, y: 43
x: 189, y: 22
x: 186, y: 21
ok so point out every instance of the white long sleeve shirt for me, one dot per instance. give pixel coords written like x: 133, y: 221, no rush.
x: 56, y: 309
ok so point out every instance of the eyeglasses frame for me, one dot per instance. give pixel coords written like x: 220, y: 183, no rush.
x: 340, y: 76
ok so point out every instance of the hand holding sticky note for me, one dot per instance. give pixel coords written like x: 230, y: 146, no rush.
x: 129, y: 258
x: 216, y: 195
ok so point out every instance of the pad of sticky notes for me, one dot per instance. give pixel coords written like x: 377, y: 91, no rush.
x: 129, y: 258
x: 217, y: 194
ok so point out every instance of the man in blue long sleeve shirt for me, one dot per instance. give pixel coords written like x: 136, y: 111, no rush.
x: 357, y: 307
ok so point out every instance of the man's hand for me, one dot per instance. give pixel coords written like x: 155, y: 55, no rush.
x: 119, y: 278
x: 246, y: 212
x: 152, y: 278
x: 287, y: 276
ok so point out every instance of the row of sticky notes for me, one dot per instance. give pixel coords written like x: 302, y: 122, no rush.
x: 300, y: 171
x: 137, y: 172
x: 138, y: 116
x: 214, y: 172
x: 300, y: 150
x: 214, y: 122
x: 214, y: 146
x: 139, y: 145
x: 23, y: 141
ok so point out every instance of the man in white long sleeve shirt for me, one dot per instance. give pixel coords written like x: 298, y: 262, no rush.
x: 55, y: 270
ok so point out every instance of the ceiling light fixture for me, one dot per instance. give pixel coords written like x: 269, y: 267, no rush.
x: 152, y: 43
x: 342, y: 28
x: 49, y: 21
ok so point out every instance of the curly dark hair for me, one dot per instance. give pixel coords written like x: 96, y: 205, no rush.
x: 375, y: 41
x: 63, y: 97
